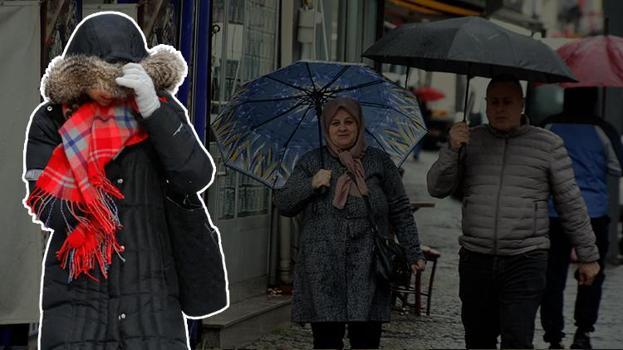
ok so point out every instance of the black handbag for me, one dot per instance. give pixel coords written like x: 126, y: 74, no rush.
x: 391, y: 265
x: 198, y: 259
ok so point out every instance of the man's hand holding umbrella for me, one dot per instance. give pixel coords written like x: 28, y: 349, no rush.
x: 459, y: 136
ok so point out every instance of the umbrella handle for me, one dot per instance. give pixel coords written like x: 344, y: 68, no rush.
x: 321, y: 190
x: 458, y: 160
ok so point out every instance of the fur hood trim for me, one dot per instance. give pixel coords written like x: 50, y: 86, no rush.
x: 67, y: 79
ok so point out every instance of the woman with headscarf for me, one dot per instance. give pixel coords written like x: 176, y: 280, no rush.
x: 101, y: 152
x: 335, y: 283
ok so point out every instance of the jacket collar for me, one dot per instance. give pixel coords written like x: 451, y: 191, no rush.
x: 522, y: 129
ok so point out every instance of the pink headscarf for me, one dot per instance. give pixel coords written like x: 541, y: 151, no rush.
x: 350, y: 158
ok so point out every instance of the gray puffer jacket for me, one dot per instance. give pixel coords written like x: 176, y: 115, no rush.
x: 507, y: 179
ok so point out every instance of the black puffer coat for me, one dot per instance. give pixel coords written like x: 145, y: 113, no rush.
x: 137, y: 306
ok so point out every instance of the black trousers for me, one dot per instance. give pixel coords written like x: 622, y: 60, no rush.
x: 588, y: 297
x: 362, y: 335
x: 500, y: 295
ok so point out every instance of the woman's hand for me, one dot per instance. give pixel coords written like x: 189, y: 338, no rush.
x: 322, y: 178
x: 419, y: 265
x: 135, y: 77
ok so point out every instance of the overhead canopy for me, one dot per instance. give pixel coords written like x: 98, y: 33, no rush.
x: 442, y: 7
x: 406, y: 11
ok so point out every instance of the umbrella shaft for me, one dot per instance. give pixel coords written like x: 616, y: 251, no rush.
x: 466, y: 97
x: 318, y: 117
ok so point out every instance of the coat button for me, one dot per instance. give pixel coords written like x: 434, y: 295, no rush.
x: 119, y: 181
x: 49, y: 108
x: 121, y: 317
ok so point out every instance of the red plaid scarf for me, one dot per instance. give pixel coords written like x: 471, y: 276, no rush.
x: 75, y: 175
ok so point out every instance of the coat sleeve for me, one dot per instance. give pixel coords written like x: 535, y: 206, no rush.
x: 188, y: 165
x: 400, y: 216
x: 443, y: 176
x: 42, y: 139
x: 570, y: 205
x: 297, y: 192
x: 612, y: 147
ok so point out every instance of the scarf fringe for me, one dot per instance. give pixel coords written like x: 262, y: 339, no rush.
x: 74, y: 178
x: 92, y: 241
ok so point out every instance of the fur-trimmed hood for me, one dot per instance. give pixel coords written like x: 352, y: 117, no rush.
x: 67, y: 79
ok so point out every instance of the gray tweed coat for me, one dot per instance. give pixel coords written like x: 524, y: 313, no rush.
x: 334, y: 279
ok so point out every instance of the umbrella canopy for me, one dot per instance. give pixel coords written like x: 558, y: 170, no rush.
x: 596, y: 61
x: 428, y: 94
x: 273, y: 120
x: 470, y: 45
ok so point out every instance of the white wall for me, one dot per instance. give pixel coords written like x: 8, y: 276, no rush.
x: 22, y: 241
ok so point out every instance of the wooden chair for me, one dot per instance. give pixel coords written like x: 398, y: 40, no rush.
x: 414, y: 288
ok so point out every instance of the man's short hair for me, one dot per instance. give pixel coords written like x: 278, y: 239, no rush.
x: 506, y: 79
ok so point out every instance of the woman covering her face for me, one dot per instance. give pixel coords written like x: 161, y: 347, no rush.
x: 335, y: 284
x: 100, y: 154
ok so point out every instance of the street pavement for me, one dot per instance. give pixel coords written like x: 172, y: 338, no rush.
x: 439, y: 228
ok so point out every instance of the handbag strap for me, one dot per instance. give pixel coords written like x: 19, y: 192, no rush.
x: 371, y: 218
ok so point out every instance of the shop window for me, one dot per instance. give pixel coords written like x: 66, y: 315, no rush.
x: 243, y: 49
x: 244, y: 46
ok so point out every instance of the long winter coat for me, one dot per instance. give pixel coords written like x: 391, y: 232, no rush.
x: 137, y: 306
x: 334, y: 279
x: 507, y: 180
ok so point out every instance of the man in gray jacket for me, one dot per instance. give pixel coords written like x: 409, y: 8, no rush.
x: 506, y: 171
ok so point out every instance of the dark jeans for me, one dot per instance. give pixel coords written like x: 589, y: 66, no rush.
x: 500, y: 296
x: 588, y: 297
x: 362, y: 335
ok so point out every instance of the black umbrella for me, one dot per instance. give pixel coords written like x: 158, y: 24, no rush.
x: 472, y: 46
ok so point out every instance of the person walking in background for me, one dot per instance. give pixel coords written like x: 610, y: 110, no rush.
x: 507, y: 170
x: 101, y: 153
x: 334, y: 284
x: 426, y: 115
x: 595, y: 150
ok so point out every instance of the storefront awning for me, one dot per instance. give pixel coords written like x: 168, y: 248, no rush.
x: 442, y: 8
x: 401, y: 11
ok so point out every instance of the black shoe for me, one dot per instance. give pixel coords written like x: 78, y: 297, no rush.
x: 581, y: 340
x: 556, y: 345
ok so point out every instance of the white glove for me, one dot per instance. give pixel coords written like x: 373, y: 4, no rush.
x: 135, y: 77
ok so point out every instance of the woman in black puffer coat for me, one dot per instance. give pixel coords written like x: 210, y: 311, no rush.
x: 136, y: 306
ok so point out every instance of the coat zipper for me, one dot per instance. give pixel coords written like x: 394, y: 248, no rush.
x: 536, y: 209
x: 497, y: 204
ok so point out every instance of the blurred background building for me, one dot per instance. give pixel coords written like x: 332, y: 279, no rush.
x: 228, y: 43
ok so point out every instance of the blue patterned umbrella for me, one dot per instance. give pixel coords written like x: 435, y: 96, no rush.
x: 273, y: 120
